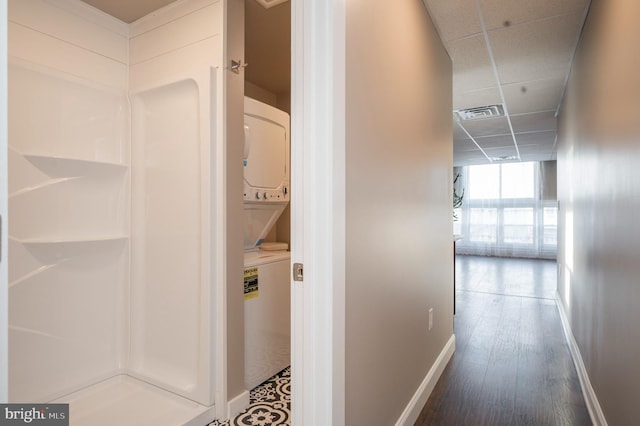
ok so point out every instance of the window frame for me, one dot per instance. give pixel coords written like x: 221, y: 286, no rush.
x: 536, y: 248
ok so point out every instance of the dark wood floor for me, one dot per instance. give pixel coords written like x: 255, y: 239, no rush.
x: 512, y: 365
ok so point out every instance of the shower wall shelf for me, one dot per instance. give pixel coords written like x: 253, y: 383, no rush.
x: 34, y: 273
x: 39, y: 186
x: 61, y: 241
x: 72, y: 166
x: 83, y: 201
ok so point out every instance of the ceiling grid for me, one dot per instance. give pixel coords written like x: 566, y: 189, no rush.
x: 516, y: 53
x: 499, y: 84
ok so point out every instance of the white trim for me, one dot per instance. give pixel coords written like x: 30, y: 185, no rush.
x: 219, y: 245
x: 412, y: 410
x: 318, y: 140
x: 238, y: 404
x: 297, y: 216
x: 337, y: 192
x: 590, y: 398
x: 203, y: 419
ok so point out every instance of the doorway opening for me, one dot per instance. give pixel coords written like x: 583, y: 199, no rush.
x: 267, y: 311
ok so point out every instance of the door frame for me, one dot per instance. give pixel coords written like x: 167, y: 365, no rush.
x: 318, y: 211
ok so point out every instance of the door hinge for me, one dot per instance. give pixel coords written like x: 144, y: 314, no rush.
x: 297, y: 272
x: 237, y: 65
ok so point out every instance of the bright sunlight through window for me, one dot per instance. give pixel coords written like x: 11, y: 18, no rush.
x: 504, y: 213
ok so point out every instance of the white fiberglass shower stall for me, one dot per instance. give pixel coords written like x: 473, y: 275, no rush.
x: 114, y: 199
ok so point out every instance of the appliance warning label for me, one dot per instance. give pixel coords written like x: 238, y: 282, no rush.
x: 250, y: 283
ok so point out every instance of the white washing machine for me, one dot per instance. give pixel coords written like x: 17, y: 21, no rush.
x: 267, y: 317
x: 267, y: 306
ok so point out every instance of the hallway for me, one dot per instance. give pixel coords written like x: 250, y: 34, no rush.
x: 512, y: 365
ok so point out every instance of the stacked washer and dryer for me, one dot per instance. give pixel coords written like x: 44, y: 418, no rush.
x: 267, y: 303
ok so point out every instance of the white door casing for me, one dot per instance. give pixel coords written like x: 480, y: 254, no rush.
x: 318, y: 211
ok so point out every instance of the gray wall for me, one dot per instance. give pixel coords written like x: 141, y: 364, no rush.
x: 399, y: 259
x: 599, y: 192
x: 4, y: 353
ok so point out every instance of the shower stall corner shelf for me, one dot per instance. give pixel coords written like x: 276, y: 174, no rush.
x: 62, y: 194
x: 70, y: 241
x: 46, y: 162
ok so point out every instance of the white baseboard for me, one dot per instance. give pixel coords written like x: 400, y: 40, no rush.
x: 203, y: 419
x: 412, y: 410
x: 238, y: 404
x: 590, y: 398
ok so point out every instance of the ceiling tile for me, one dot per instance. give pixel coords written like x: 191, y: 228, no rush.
x: 486, y: 127
x: 458, y: 133
x: 476, y: 98
x: 471, y: 157
x: 537, y: 152
x: 530, y: 150
x: 536, y: 138
x: 454, y: 18
x: 539, y: 95
x: 472, y: 67
x: 535, y: 50
x: 495, y: 141
x: 538, y: 157
x: 532, y: 52
x: 497, y: 12
x: 505, y: 151
x: 535, y: 122
x: 464, y: 145
x: 540, y: 154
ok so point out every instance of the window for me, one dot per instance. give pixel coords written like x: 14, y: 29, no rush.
x: 550, y: 221
x: 517, y: 181
x: 503, y: 214
x: 483, y: 225
x: 484, y: 182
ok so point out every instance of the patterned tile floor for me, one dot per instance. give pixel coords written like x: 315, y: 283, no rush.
x: 269, y: 404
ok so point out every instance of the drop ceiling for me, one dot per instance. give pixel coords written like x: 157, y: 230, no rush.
x: 512, y: 52
x: 516, y: 53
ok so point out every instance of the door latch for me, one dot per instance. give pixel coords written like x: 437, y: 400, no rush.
x: 297, y: 272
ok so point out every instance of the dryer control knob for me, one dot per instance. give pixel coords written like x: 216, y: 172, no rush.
x: 257, y: 195
x: 284, y: 190
x: 264, y: 195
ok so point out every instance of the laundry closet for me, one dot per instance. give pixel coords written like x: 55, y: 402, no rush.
x: 119, y: 211
x: 266, y: 161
